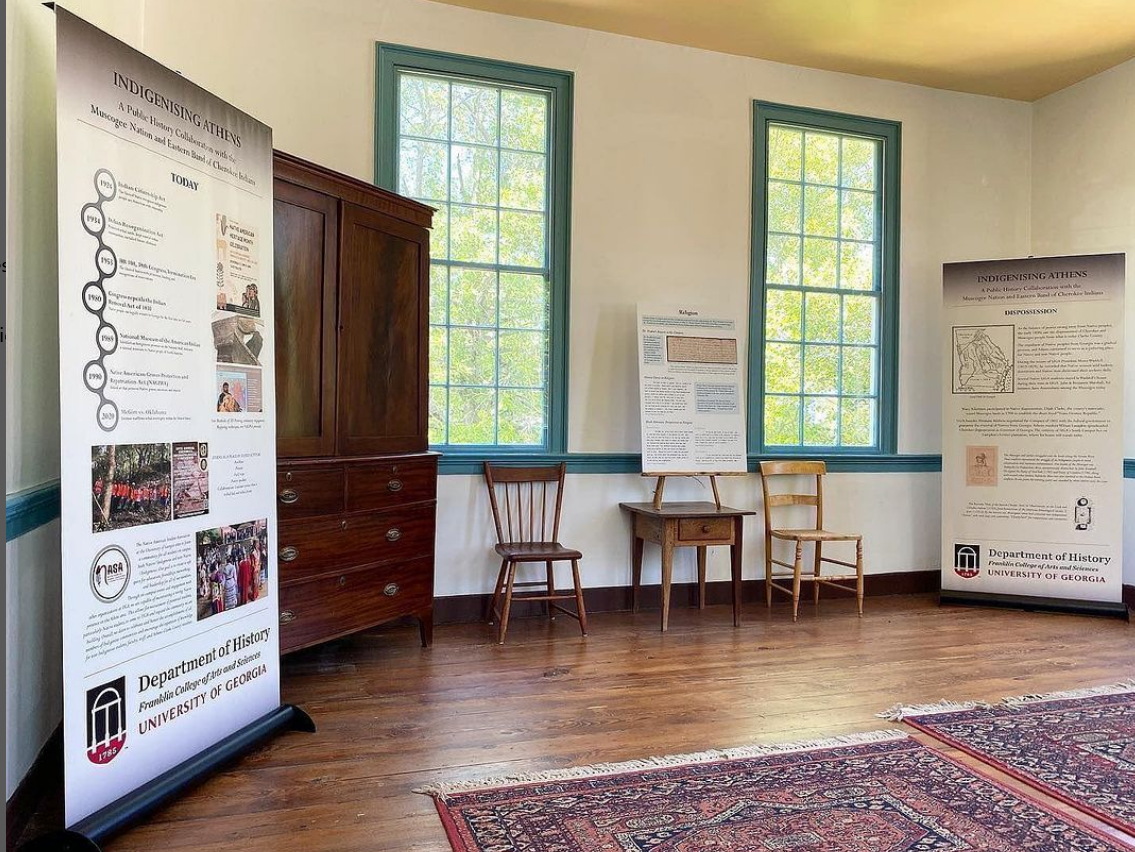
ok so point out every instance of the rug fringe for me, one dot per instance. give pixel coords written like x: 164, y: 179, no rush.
x: 904, y: 711
x: 1087, y: 692
x: 442, y: 790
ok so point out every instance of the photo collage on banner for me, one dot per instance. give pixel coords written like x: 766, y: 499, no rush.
x: 1032, y: 456
x: 170, y: 606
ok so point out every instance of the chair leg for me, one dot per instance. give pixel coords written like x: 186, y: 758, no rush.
x: 503, y: 628
x: 580, y: 608
x: 551, y: 590
x: 768, y: 571
x: 859, y: 574
x: 701, y: 577
x: 816, y: 574
x: 497, y: 591
x: 795, y: 580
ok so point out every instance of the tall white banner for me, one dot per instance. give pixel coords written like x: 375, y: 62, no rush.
x: 168, y: 417
x: 693, y: 417
x: 1032, y: 456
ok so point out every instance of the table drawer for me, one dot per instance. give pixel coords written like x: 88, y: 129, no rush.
x: 705, y: 529
x: 318, y: 546
x: 381, y: 485
x: 306, y: 492
x: 318, y: 610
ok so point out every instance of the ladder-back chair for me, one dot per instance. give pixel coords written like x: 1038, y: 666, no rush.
x: 817, y: 535
x: 526, y: 503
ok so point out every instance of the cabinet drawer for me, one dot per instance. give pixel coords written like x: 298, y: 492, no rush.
x: 318, y: 546
x: 304, y: 492
x: 705, y: 529
x: 318, y: 610
x: 381, y: 485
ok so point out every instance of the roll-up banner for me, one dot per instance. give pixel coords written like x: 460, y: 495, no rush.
x: 1032, y: 456
x: 170, y: 607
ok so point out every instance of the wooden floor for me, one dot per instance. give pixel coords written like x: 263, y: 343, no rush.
x: 392, y: 716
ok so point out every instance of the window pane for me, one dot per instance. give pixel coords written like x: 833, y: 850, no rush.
x: 439, y: 354
x: 858, y: 163
x: 439, y: 294
x: 474, y: 175
x: 783, y: 265
x: 820, y: 211
x: 819, y: 262
x: 522, y: 180
x: 857, y: 426
x: 423, y: 170
x: 472, y: 297
x: 522, y: 359
x: 523, y: 300
x: 859, y: 319
x: 472, y: 415
x: 821, y: 158
x: 524, y: 120
x: 439, y: 238
x: 522, y: 415
x: 784, y: 207
x: 522, y: 239
x: 782, y: 420
x: 473, y: 234
x: 423, y: 106
x: 472, y: 356
x: 439, y: 407
x: 857, y: 266
x: 475, y: 114
x: 822, y: 323
x: 821, y: 369
x: 785, y: 153
x: 857, y: 219
x: 782, y: 315
x: 821, y: 415
x: 782, y: 368
x: 858, y: 370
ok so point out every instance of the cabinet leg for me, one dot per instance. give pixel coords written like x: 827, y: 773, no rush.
x: 426, y: 626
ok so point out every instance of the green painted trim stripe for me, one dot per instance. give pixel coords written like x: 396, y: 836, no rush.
x: 27, y: 510
x: 472, y: 464
x: 1129, y: 468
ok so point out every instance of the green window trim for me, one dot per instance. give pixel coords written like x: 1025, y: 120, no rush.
x: 390, y: 61
x: 890, y: 134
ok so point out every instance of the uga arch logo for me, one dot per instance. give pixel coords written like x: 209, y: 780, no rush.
x: 106, y: 720
x: 967, y: 560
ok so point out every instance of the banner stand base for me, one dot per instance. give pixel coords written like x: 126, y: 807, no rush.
x: 1033, y: 604
x: 86, y: 834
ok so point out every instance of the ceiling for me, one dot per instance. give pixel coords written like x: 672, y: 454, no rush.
x: 1022, y: 49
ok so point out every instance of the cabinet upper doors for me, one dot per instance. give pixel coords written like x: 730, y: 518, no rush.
x: 306, y: 230
x: 383, y: 304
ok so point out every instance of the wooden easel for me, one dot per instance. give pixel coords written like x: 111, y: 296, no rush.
x: 660, y: 486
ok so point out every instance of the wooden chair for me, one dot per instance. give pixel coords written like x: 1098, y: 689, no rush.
x: 530, y: 533
x: 818, y: 536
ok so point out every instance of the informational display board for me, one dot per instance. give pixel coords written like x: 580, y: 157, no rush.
x: 1032, y: 456
x: 692, y: 404
x: 170, y: 607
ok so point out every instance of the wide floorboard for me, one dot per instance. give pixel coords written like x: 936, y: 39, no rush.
x: 392, y: 716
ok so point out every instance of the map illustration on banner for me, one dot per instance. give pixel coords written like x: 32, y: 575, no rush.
x: 1032, y: 459
x: 167, y: 403
x: 693, y: 418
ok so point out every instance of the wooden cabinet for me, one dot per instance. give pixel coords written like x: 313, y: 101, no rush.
x: 356, y: 486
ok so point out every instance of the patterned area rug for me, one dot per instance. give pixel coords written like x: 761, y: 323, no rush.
x: 1076, y: 746
x: 880, y: 792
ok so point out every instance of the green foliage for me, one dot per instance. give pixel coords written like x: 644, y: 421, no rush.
x: 472, y: 296
x: 858, y: 163
x: 782, y: 420
x: 785, y: 153
x: 822, y: 317
x: 473, y: 234
x: 821, y: 369
x: 858, y: 370
x: 819, y: 262
x: 782, y: 315
x: 821, y: 158
x: 523, y: 300
x: 523, y: 180
x: 474, y: 175
x: 475, y: 113
x: 522, y: 239
x: 821, y: 416
x: 524, y: 120
x: 424, y: 106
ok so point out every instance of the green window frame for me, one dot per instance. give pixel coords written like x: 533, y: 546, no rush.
x: 801, y: 263
x: 512, y: 84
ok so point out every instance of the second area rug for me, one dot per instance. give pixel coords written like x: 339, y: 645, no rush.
x: 1077, y: 746
x: 878, y: 792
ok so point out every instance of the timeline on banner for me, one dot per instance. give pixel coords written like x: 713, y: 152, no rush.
x: 170, y: 607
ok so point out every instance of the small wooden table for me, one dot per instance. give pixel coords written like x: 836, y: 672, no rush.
x: 672, y: 525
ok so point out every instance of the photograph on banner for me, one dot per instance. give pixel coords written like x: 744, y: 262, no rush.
x: 1032, y: 464
x: 691, y: 399
x: 239, y: 390
x: 232, y: 567
x: 130, y: 485
x: 238, y: 276
x: 190, y: 478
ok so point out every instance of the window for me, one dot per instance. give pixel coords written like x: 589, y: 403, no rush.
x: 488, y: 145
x: 824, y: 288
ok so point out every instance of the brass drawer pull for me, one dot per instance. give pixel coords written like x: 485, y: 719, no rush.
x: 342, y: 581
x: 394, y: 485
x: 394, y: 534
x: 705, y: 528
x: 287, y: 615
x: 289, y: 553
x: 390, y: 590
x: 289, y: 496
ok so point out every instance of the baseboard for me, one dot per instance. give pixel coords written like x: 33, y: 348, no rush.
x: 1129, y: 596
x: 45, y: 774
x: 463, y: 609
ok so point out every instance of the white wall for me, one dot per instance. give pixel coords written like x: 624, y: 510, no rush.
x: 1084, y: 202
x: 31, y: 611
x: 661, y: 199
